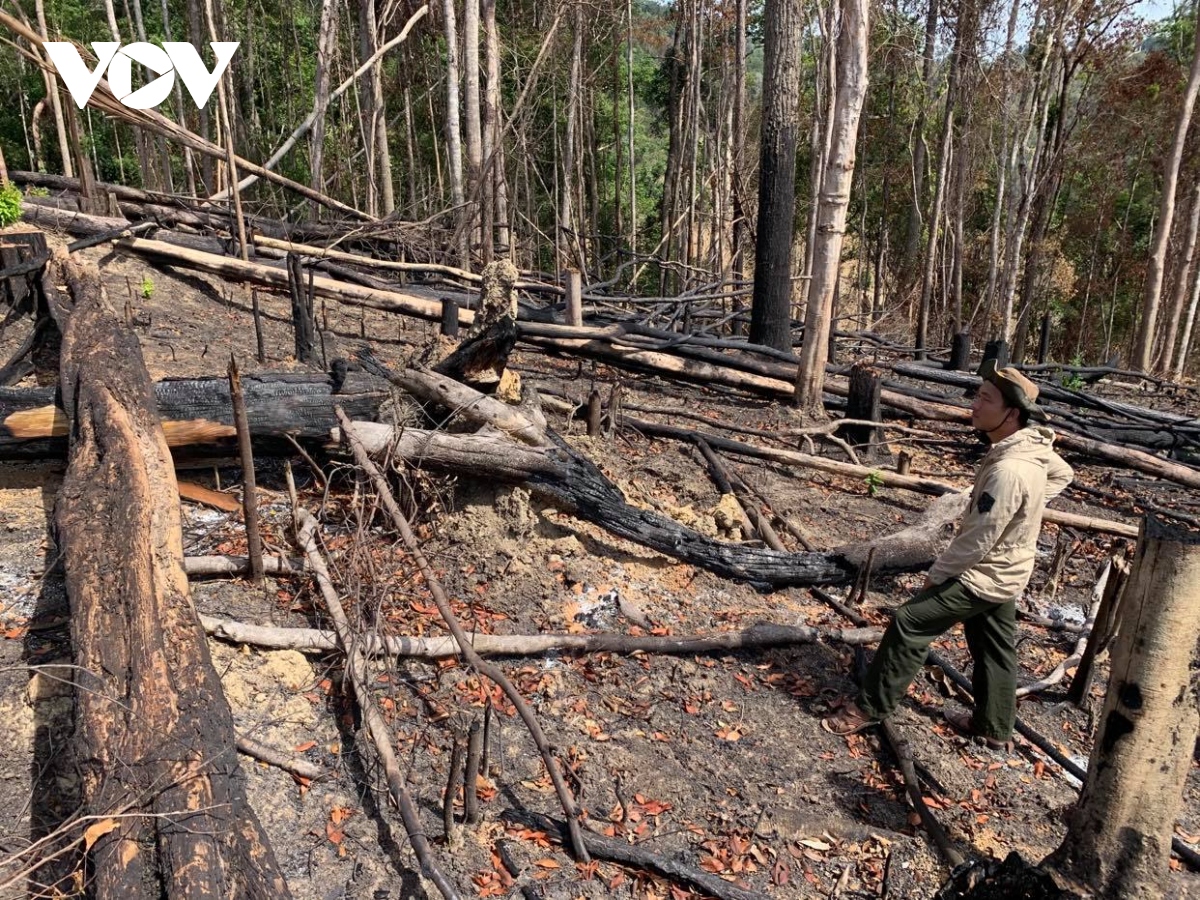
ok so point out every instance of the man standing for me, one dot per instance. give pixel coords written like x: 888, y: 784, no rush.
x: 978, y: 578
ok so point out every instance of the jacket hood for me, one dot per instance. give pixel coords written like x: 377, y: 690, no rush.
x: 1034, y: 444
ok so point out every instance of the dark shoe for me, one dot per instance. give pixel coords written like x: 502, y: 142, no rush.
x: 848, y: 720
x: 964, y: 724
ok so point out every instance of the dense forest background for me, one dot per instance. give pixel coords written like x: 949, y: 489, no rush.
x: 1012, y: 155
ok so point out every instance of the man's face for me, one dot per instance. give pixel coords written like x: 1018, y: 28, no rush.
x: 988, y: 409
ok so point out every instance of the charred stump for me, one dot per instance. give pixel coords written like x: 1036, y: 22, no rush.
x: 303, y: 319
x: 22, y: 254
x: 154, y: 731
x: 863, y: 403
x: 482, y: 357
x: 960, y: 351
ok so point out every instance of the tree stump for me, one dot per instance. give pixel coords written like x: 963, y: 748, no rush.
x: 574, y: 286
x: 1118, y: 840
x: 997, y: 350
x: 155, y: 734
x: 960, y: 352
x: 863, y: 403
x: 20, y: 245
x: 449, y: 318
x: 303, y: 320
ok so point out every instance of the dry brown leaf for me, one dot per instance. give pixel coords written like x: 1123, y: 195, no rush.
x: 97, y: 830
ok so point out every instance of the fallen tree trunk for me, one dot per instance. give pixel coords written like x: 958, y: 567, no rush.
x: 197, y: 411
x: 395, y: 301
x: 44, y: 214
x: 155, y: 733
x: 761, y: 636
x: 576, y: 485
x: 171, y: 209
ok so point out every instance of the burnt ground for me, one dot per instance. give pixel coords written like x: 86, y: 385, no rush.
x: 718, y: 760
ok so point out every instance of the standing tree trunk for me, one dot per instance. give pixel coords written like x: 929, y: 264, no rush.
x: 737, y: 155
x: 939, y: 190
x: 326, y: 45
x: 60, y: 122
x: 453, y: 127
x: 1166, y: 357
x: 1119, y: 837
x: 490, y: 127
x: 198, y: 35
x: 1166, y: 215
x: 633, y: 223
x: 834, y: 203
x: 771, y: 313
x: 156, y: 734
x: 1185, y: 342
x: 471, y: 109
x: 920, y: 152
x: 571, y: 254
x: 381, y: 196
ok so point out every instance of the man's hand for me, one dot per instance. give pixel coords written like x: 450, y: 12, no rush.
x: 927, y: 585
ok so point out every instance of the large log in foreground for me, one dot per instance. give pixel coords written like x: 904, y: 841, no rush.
x: 155, y: 734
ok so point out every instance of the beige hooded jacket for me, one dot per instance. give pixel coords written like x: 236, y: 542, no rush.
x: 993, y: 552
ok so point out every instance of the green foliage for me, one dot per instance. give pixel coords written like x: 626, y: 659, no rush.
x: 874, y: 482
x: 147, y: 287
x: 1073, y: 382
x: 10, y: 204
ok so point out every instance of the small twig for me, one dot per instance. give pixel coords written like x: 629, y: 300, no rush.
x: 278, y: 758
x: 617, y: 850
x: 316, y: 470
x: 485, y: 760
x: 471, y: 778
x: 913, y: 786
x: 249, y: 491
x: 453, y: 838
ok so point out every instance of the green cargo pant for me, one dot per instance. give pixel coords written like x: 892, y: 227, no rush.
x: 991, y: 630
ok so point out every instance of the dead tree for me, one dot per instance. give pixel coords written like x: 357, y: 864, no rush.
x: 302, y: 311
x: 1118, y: 841
x: 155, y: 732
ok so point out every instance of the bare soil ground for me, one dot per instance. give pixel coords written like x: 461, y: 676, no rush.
x: 718, y: 760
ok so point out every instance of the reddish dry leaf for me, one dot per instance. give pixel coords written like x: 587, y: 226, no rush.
x: 305, y: 747
x: 712, y: 864
x: 781, y: 872
x: 547, y: 863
